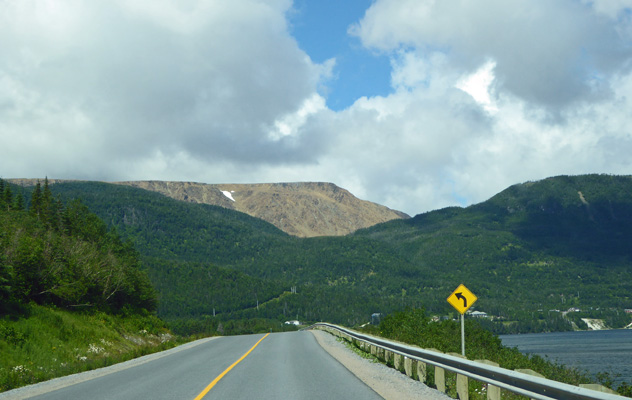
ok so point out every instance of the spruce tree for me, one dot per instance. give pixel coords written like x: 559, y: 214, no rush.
x: 8, y: 197
x: 55, y: 213
x: 51, y: 208
x: 18, y: 204
x: 47, y: 199
x: 36, y: 200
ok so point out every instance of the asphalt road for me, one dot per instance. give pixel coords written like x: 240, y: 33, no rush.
x: 288, y: 365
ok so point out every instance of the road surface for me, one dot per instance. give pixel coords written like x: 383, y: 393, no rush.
x: 289, y: 365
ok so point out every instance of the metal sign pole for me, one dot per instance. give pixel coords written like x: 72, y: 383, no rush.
x: 463, y: 335
x: 462, y: 299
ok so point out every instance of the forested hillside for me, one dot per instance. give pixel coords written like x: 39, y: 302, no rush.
x: 64, y: 255
x: 530, y: 250
x: 207, y: 260
x: 555, y: 244
x: 73, y: 295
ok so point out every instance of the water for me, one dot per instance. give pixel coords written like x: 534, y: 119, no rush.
x: 591, y: 351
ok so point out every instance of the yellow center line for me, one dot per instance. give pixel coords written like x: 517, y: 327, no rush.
x: 220, y: 376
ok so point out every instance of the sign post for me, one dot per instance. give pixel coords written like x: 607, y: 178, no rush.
x: 462, y: 299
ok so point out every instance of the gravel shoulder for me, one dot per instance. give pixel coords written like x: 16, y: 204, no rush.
x: 387, y: 382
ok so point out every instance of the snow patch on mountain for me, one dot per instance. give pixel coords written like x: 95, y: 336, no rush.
x: 229, y: 194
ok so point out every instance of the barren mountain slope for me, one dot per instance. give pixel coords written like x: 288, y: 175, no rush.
x: 301, y: 209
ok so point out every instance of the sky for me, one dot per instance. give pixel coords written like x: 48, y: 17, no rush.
x: 413, y: 104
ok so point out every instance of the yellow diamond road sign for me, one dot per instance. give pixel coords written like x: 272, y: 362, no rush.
x: 462, y: 299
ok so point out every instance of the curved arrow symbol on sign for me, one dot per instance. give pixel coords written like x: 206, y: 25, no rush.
x: 460, y: 296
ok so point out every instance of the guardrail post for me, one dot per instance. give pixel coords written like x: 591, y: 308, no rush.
x: 439, y: 375
x: 421, y: 371
x: 388, y: 358
x: 408, y: 367
x: 461, y: 382
x: 397, y: 361
x: 381, y: 354
x: 493, y: 392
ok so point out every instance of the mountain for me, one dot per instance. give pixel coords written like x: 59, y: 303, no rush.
x: 557, y: 244
x: 560, y: 243
x: 303, y: 209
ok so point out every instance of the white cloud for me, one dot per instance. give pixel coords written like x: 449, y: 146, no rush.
x: 545, y: 52
x: 484, y: 94
x: 478, y: 84
x: 289, y: 124
x: 206, y: 79
x: 549, y: 76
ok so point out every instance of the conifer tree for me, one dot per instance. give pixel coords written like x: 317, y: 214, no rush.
x: 50, y: 210
x: 7, y: 197
x: 36, y: 200
x: 55, y: 213
x: 47, y: 199
x: 18, y: 204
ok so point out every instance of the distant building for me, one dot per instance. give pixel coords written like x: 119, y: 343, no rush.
x: 628, y: 310
x: 478, y: 314
x: 376, y: 318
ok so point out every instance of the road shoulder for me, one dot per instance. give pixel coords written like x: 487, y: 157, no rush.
x: 387, y: 382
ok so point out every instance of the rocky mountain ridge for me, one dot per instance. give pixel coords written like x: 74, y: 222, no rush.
x: 303, y: 209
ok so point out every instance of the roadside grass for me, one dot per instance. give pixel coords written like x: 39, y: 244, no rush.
x: 354, y: 348
x: 46, y: 343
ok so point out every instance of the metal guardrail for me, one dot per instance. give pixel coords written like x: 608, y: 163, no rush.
x: 532, y: 386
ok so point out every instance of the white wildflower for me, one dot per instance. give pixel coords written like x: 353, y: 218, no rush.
x: 92, y: 348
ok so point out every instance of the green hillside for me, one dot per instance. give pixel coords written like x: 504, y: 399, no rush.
x: 550, y: 245
x: 73, y: 295
x: 535, y: 246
